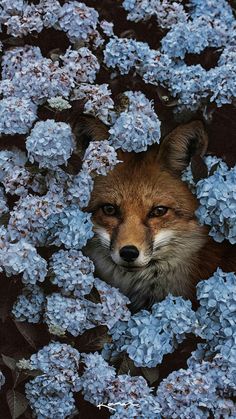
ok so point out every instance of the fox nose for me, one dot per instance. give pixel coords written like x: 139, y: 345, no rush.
x: 129, y: 253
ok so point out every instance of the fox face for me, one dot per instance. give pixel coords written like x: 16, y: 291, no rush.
x: 147, y: 239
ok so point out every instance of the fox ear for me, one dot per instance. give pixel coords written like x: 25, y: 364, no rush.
x: 183, y: 143
x: 88, y: 129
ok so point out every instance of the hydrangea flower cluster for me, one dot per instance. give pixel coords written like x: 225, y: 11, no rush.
x: 124, y: 54
x: 21, y: 257
x: 70, y: 312
x: 72, y: 228
x: 147, y: 337
x: 167, y: 14
x: 50, y: 143
x: 9, y: 160
x: 31, y: 76
x: 216, y: 198
x: 81, y: 64
x: 26, y: 19
x: 203, y: 27
x: 216, y: 314
x: 80, y: 188
x: 125, y: 396
x: 17, y: 115
x: 67, y: 314
x: 97, y: 377
x: 29, y: 305
x: 51, y: 393
x: 72, y: 272
x: 197, y: 392
x: 31, y: 217
x: 99, y: 158
x: 78, y: 20
x: 97, y: 100
x: 137, y: 127
x: 49, y: 397
x: 113, y: 306
x: 217, y: 209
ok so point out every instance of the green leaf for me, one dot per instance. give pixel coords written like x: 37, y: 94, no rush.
x: 17, y: 403
x: 9, y: 362
x: 28, y: 332
x: 127, y: 366
x: 93, y: 339
x: 151, y: 374
x: 20, y: 376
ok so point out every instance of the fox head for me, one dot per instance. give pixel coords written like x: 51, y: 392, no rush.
x: 144, y: 215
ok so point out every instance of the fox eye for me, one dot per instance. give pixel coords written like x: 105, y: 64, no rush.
x: 109, y: 209
x: 158, y: 211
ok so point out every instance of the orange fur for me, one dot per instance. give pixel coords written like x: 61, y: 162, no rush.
x: 175, y: 252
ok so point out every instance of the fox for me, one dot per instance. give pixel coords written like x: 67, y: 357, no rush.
x: 147, y: 240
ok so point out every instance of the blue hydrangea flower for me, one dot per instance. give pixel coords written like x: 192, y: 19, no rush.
x: 217, y: 209
x: 56, y: 360
x: 97, y: 100
x: 145, y: 407
x: 49, y: 398
x: 78, y: 20
x: 29, y: 305
x: 147, y: 337
x: 131, y: 397
x: 50, y: 11
x: 80, y: 188
x: 17, y: 181
x: 14, y: 58
x: 136, y: 127
x: 195, y: 393
x: 50, y: 143
x: 99, y: 158
x: 31, y: 217
x: 17, y: 115
x: 72, y: 227
x: 81, y: 64
x: 156, y: 67
x: 22, y: 257
x: 9, y: 159
x: 124, y: 54
x: 166, y: 13
x: 72, y: 272
x: 27, y: 21
x: 97, y: 376
x: 113, y: 306
x: 37, y: 79
x: 107, y: 27
x: 65, y: 314
x: 216, y: 315
x: 220, y: 11
x: 125, y: 388
x: 222, y: 86
x: 57, y: 182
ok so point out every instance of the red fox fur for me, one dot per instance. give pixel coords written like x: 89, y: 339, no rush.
x: 147, y: 241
